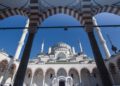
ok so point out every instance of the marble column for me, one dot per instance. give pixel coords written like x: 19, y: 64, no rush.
x: 31, y: 80
x: 99, y: 60
x: 43, y: 79
x: 20, y: 75
x: 12, y: 81
x: 80, y: 79
x: 101, y: 39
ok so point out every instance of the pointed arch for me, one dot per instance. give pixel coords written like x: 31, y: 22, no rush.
x: 109, y: 9
x: 28, y: 76
x: 85, y: 77
x: 56, y: 10
x: 3, y: 65
x: 12, y: 70
x: 75, y: 76
x: 12, y: 12
x: 38, y: 77
x: 49, y: 76
x: 61, y: 72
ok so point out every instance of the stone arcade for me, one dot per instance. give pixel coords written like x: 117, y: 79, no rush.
x: 37, y: 11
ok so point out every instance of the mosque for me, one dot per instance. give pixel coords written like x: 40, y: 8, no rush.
x: 61, y: 65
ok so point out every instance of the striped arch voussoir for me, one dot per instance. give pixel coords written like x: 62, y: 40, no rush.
x: 87, y: 21
x: 108, y: 9
x: 75, y: 13
x: 11, y: 12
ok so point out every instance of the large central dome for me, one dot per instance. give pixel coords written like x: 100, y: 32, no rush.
x: 61, y: 45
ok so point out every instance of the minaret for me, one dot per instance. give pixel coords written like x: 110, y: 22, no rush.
x: 101, y: 39
x: 21, y: 42
x: 42, y: 47
x: 73, y: 50
x: 49, y: 50
x: 80, y: 45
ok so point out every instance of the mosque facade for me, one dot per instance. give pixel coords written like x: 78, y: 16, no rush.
x: 60, y: 66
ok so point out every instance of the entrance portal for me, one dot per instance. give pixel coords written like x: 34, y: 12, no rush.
x: 61, y: 83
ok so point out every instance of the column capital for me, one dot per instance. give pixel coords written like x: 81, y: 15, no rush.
x: 33, y: 26
x: 87, y: 22
x: 89, y: 28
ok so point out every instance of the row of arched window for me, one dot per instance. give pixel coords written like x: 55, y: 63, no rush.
x: 113, y: 67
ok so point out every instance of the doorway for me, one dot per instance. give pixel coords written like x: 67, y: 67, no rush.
x: 61, y: 83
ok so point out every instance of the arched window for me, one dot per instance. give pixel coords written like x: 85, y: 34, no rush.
x: 3, y: 65
x: 51, y: 75
x: 61, y: 72
x: 29, y: 75
x: 38, y: 77
x: 12, y: 69
x: 85, y: 77
x: 72, y: 75
x: 61, y: 56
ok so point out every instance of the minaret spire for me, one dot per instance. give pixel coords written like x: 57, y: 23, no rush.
x: 73, y: 50
x: 21, y: 42
x: 80, y: 45
x: 42, y: 47
x: 101, y: 39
